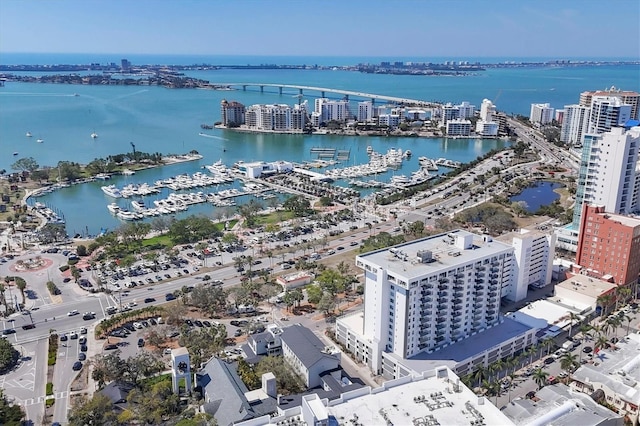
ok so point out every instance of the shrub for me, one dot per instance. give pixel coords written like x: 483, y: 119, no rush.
x: 64, y: 268
x: 49, y: 402
x: 53, y: 288
x: 49, y: 390
x: 73, y: 261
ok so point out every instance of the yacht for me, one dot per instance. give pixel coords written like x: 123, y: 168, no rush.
x: 111, y: 191
x: 427, y: 163
x: 28, y: 134
x: 127, y: 215
x: 113, y: 208
x: 128, y: 172
x: 103, y: 176
x: 138, y: 205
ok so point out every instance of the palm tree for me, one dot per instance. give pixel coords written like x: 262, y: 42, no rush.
x: 568, y: 361
x: 614, y: 322
x: 573, y: 318
x: 480, y: 374
x: 604, y: 302
x: 21, y: 284
x: 497, y: 367
x: 530, y: 352
x: 540, y: 377
x: 601, y: 343
x: 621, y: 295
x: 3, y: 300
x: 628, y: 319
x: 546, y: 343
x: 584, y: 330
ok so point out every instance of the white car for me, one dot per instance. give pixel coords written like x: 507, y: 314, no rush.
x: 72, y: 313
x: 138, y: 325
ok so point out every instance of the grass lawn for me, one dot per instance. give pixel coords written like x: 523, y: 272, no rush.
x: 220, y: 226
x: 165, y: 240
x: 274, y: 218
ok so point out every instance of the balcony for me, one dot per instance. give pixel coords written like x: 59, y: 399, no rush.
x: 440, y: 320
x: 494, y: 269
x: 490, y: 312
x: 442, y: 307
x: 442, y: 300
x: 426, y: 292
x: 494, y: 276
x: 458, y: 294
x: 492, y: 294
x: 440, y: 327
x: 440, y: 332
x: 459, y: 275
x: 442, y: 286
x: 457, y: 301
x: 458, y: 288
x: 478, y: 287
x: 425, y: 299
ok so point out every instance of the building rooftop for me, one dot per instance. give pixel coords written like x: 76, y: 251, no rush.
x: 552, y: 313
x: 560, y: 406
x: 464, y: 349
x: 617, y: 368
x: 588, y: 286
x: 624, y: 220
x: 445, y: 250
x: 437, y: 396
x: 306, y: 346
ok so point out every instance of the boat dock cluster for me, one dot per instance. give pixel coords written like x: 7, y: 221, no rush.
x: 48, y: 214
x: 378, y: 163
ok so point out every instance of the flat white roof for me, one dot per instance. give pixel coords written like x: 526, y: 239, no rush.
x: 441, y: 397
x: 553, y: 313
x: 588, y: 286
x: 403, y: 259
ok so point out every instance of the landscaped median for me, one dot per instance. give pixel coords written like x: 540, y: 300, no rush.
x: 109, y: 324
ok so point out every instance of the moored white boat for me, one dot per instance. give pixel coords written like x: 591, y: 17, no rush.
x: 111, y: 191
x: 113, y: 208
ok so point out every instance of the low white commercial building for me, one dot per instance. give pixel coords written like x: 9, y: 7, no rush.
x: 616, y: 373
x: 437, y: 397
x: 559, y: 405
x: 582, y: 292
x: 458, y: 127
x: 261, y: 168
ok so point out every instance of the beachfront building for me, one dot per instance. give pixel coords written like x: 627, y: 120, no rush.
x: 366, y: 111
x: 277, y: 118
x: 560, y: 405
x: 487, y: 124
x: 435, y: 397
x: 609, y: 172
x: 331, y: 110
x: 434, y: 300
x: 232, y: 113
x: 541, y: 114
x: 575, y: 124
x: 390, y: 120
x: 448, y: 112
x: 609, y: 246
x: 466, y: 110
x: 613, y: 376
x: 607, y: 112
x: 627, y: 97
x: 458, y: 127
x: 534, y: 251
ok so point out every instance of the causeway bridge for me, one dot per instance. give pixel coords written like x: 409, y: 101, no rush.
x: 324, y: 90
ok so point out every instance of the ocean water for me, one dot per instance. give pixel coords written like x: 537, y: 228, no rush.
x: 163, y: 120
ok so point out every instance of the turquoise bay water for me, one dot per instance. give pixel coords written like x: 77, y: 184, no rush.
x: 168, y: 121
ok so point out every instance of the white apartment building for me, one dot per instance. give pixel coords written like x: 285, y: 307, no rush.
x: 466, y: 110
x: 575, y: 124
x: 448, y: 112
x: 627, y: 97
x: 534, y: 251
x: 232, y: 113
x: 425, y: 295
x: 332, y: 110
x: 487, y: 128
x: 487, y: 110
x: 391, y: 120
x: 541, y: 114
x: 607, y: 112
x: 278, y: 118
x: 609, y: 172
x: 366, y: 111
x: 459, y: 127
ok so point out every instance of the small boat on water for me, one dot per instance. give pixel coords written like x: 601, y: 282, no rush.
x: 94, y: 135
x: 111, y: 191
x: 128, y: 172
x: 113, y: 208
x: 39, y: 140
x: 29, y: 134
x: 427, y: 163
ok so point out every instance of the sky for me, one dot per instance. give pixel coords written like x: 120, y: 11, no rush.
x: 409, y: 28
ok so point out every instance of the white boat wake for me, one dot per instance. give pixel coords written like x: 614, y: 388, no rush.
x: 204, y: 135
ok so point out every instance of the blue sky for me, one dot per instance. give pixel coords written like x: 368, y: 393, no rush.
x: 411, y: 28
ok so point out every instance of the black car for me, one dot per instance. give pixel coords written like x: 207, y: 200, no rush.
x: 549, y: 360
x: 8, y: 331
x: 110, y: 347
x: 153, y: 321
x: 82, y: 340
x: 186, y: 271
x: 198, y: 323
x: 140, y: 343
x: 587, y: 349
x: 206, y: 323
x: 149, y: 300
x: 82, y: 356
x: 83, y: 348
x: 169, y: 297
x: 28, y: 326
x: 64, y: 338
x: 77, y: 366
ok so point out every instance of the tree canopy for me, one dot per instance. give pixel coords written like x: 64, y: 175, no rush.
x: 8, y: 355
x: 297, y: 204
x: 10, y: 415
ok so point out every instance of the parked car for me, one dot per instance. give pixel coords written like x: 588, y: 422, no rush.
x: 77, y: 366
x: 140, y: 343
x: 82, y: 356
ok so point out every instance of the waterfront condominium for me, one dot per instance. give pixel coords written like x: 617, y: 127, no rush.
x: 575, y: 124
x: 541, y: 114
x: 607, y: 112
x: 432, y: 301
x: 366, y: 111
x: 278, y: 118
x: 327, y: 110
x: 609, y: 246
x: 609, y: 172
x: 627, y: 97
x: 487, y: 126
x: 232, y: 113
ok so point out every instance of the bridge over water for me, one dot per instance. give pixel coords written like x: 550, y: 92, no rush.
x: 323, y: 90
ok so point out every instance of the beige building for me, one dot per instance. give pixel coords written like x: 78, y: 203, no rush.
x: 583, y: 292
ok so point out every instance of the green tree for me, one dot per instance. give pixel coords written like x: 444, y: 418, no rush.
x: 331, y: 281
x: 327, y: 303
x: 81, y: 250
x: 288, y: 382
x: 10, y: 415
x: 8, y: 355
x: 204, y: 343
x: 22, y: 285
x: 297, y: 204
x: 314, y: 293
x: 249, y: 212
x: 540, y: 377
x: 96, y: 411
x: 568, y: 361
x: 27, y: 164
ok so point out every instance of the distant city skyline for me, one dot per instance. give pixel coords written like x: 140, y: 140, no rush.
x: 418, y: 29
